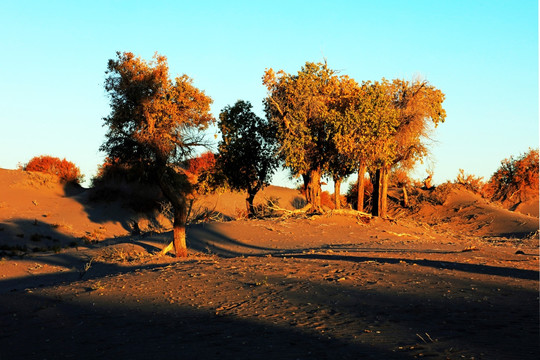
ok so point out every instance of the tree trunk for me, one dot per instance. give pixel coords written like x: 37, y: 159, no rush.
x: 249, y: 204
x: 375, y: 196
x: 360, y: 186
x: 305, y: 177
x: 167, y: 181
x: 179, y: 231
x: 382, y: 185
x: 313, y: 193
x: 337, y: 191
x: 405, y: 197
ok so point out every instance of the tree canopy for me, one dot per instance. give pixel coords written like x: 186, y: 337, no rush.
x: 299, y: 106
x: 155, y: 123
x: 246, y: 151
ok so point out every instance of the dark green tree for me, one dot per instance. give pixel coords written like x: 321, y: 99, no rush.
x: 246, y: 151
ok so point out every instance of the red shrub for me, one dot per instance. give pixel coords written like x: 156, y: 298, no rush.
x: 65, y: 170
x: 327, y: 200
x: 516, y: 179
x: 203, y: 162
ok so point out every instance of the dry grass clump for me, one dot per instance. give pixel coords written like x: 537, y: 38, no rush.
x: 94, y: 236
x: 118, y: 254
x: 470, y: 182
x: 435, y: 196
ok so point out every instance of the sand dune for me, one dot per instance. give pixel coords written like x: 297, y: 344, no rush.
x: 451, y: 281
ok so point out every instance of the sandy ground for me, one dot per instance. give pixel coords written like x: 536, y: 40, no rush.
x: 443, y: 285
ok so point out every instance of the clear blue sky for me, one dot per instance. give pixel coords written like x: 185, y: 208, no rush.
x: 482, y: 54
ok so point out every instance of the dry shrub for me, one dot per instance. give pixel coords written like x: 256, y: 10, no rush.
x: 114, y: 171
x: 327, y: 200
x: 206, y: 176
x: 516, y: 180
x: 117, y: 254
x: 435, y: 195
x: 399, y: 178
x: 352, y: 193
x: 64, y: 169
x: 469, y: 181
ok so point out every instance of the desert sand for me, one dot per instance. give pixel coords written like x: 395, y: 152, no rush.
x: 451, y: 281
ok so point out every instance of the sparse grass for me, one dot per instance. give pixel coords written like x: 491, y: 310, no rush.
x: 97, y: 286
x: 121, y: 255
x: 95, y: 236
x: 263, y: 282
x: 13, y: 248
x: 36, y: 237
x: 66, y: 227
x: 40, y: 180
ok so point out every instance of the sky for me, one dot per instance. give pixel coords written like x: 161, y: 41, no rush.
x: 482, y: 54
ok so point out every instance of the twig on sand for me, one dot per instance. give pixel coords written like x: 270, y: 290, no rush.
x: 421, y: 338
x: 304, y: 211
x: 429, y: 337
x: 350, y: 212
x: 167, y: 248
x: 85, y: 268
x: 286, y: 212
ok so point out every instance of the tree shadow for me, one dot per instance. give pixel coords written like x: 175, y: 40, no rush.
x: 37, y: 327
x: 494, y: 329
x: 25, y: 235
x: 205, y: 238
x: 88, y: 327
x: 444, y: 265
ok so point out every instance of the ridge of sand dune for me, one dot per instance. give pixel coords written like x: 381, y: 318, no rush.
x: 40, y: 212
x: 467, y: 212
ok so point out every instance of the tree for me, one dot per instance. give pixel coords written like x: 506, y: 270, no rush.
x: 246, y: 151
x: 385, y: 124
x: 363, y: 127
x: 418, y: 107
x: 155, y: 123
x: 339, y: 168
x: 299, y: 107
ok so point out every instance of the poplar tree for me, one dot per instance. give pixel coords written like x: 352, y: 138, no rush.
x: 298, y: 106
x: 154, y: 125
